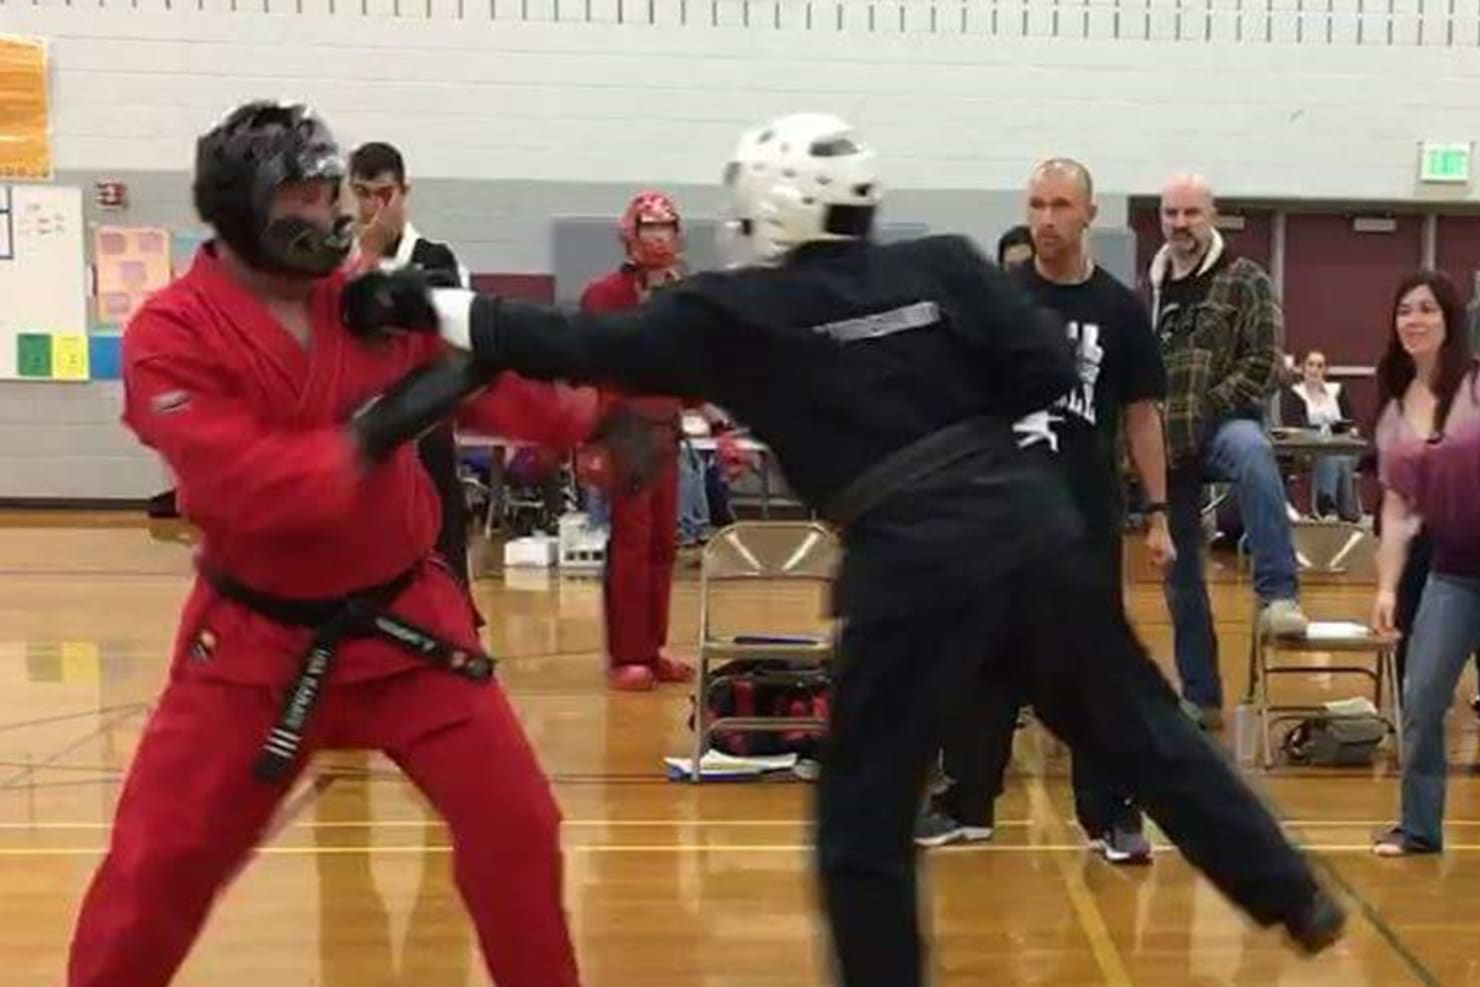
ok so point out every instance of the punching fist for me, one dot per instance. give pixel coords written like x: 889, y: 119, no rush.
x: 378, y: 304
x: 626, y: 452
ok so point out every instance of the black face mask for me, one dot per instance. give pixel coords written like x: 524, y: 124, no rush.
x: 294, y: 245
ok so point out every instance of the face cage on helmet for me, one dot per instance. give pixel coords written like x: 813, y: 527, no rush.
x: 280, y: 245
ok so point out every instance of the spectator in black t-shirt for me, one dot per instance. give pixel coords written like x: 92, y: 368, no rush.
x: 1121, y: 377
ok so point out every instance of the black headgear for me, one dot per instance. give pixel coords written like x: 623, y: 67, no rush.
x: 240, y: 164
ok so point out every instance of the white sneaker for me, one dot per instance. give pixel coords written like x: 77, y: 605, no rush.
x: 1283, y: 618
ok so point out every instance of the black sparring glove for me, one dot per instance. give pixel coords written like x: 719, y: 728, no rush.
x: 415, y: 403
x: 378, y: 303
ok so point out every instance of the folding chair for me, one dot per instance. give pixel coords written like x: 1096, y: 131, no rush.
x: 1323, y: 547
x: 750, y: 557
x: 1338, y: 548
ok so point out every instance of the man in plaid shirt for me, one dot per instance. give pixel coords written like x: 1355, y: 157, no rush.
x: 1220, y: 330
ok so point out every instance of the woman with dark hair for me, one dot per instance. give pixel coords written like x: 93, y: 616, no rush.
x: 1015, y: 247
x: 1429, y: 416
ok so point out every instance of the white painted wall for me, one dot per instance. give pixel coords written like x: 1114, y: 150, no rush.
x: 514, y: 111
x: 1326, y: 104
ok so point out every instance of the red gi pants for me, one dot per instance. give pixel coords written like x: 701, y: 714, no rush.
x: 191, y: 813
x: 639, y: 570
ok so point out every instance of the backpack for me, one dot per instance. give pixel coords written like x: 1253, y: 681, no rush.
x: 1335, y: 741
x: 739, y: 689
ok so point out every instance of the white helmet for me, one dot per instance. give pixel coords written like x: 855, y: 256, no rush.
x: 799, y: 178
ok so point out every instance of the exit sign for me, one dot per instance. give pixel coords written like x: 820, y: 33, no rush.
x: 1444, y: 163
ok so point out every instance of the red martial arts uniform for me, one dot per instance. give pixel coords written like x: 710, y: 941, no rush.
x: 251, y: 423
x: 644, y: 525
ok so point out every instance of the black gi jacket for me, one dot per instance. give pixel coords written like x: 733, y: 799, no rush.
x: 849, y: 352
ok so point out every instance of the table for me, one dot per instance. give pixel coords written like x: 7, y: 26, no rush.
x: 1313, y: 442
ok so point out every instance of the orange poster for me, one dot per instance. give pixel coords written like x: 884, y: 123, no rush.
x: 25, y: 131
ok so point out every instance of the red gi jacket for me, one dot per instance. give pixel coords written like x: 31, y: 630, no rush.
x: 251, y: 424
x: 619, y: 290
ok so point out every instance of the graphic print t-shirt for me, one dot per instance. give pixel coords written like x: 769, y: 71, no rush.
x: 1119, y: 364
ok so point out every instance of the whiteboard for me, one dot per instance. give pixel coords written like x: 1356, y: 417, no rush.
x: 43, y: 283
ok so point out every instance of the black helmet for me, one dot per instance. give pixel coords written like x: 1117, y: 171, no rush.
x: 239, y: 165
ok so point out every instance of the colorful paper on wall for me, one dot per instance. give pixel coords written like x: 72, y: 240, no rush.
x: 25, y: 124
x: 68, y: 357
x: 132, y: 263
x: 33, y: 354
x: 104, y: 357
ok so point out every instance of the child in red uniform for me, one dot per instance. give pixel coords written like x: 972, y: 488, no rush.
x: 640, y: 552
x: 318, y: 527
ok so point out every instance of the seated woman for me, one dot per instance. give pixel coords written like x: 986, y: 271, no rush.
x: 1313, y: 402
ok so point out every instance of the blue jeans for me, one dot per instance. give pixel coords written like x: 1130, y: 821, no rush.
x: 1445, y: 633
x: 1237, y: 452
x: 693, y: 498
x: 1334, y: 479
x: 598, y: 509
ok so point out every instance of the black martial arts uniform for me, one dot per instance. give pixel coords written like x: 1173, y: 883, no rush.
x: 839, y: 360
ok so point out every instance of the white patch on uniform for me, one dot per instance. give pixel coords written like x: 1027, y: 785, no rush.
x: 1038, y: 427
x: 169, y: 402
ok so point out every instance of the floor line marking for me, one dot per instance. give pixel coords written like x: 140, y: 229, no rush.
x: 789, y: 848
x: 1081, y: 899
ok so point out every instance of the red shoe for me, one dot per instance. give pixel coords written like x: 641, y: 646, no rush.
x: 669, y: 670
x: 631, y: 678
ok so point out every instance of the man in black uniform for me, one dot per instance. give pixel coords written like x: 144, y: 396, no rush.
x: 887, y: 379
x: 1120, y: 372
x: 385, y: 238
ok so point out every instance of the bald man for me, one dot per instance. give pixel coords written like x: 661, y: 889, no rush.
x: 1121, y: 380
x: 1221, y: 331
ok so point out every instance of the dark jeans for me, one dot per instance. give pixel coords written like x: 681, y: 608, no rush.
x: 1238, y: 451
x: 1055, y: 638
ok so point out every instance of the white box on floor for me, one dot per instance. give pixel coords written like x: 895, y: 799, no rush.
x: 581, y: 546
x: 537, y: 551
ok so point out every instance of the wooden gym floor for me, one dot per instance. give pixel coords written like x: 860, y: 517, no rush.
x: 667, y: 883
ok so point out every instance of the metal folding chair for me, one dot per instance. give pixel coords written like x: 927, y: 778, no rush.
x: 1335, y: 548
x: 750, y: 560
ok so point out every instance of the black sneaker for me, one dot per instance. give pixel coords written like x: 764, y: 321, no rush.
x: 1318, y: 925
x: 935, y: 828
x: 1123, y: 845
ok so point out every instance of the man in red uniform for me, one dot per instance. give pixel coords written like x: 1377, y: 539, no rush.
x: 321, y: 617
x: 640, y: 552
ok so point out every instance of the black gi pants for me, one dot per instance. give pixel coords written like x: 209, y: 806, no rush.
x: 979, y: 737
x: 1054, y: 635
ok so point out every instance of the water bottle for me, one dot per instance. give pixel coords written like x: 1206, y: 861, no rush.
x: 1245, y: 734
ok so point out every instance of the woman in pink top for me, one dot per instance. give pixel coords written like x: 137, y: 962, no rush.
x: 1428, y: 443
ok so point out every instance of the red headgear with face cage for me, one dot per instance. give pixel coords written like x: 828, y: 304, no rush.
x: 651, y: 209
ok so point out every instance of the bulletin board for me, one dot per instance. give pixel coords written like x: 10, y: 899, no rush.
x: 43, y: 284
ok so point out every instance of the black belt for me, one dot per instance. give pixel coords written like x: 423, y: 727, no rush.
x: 358, y: 614
x: 905, y: 467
